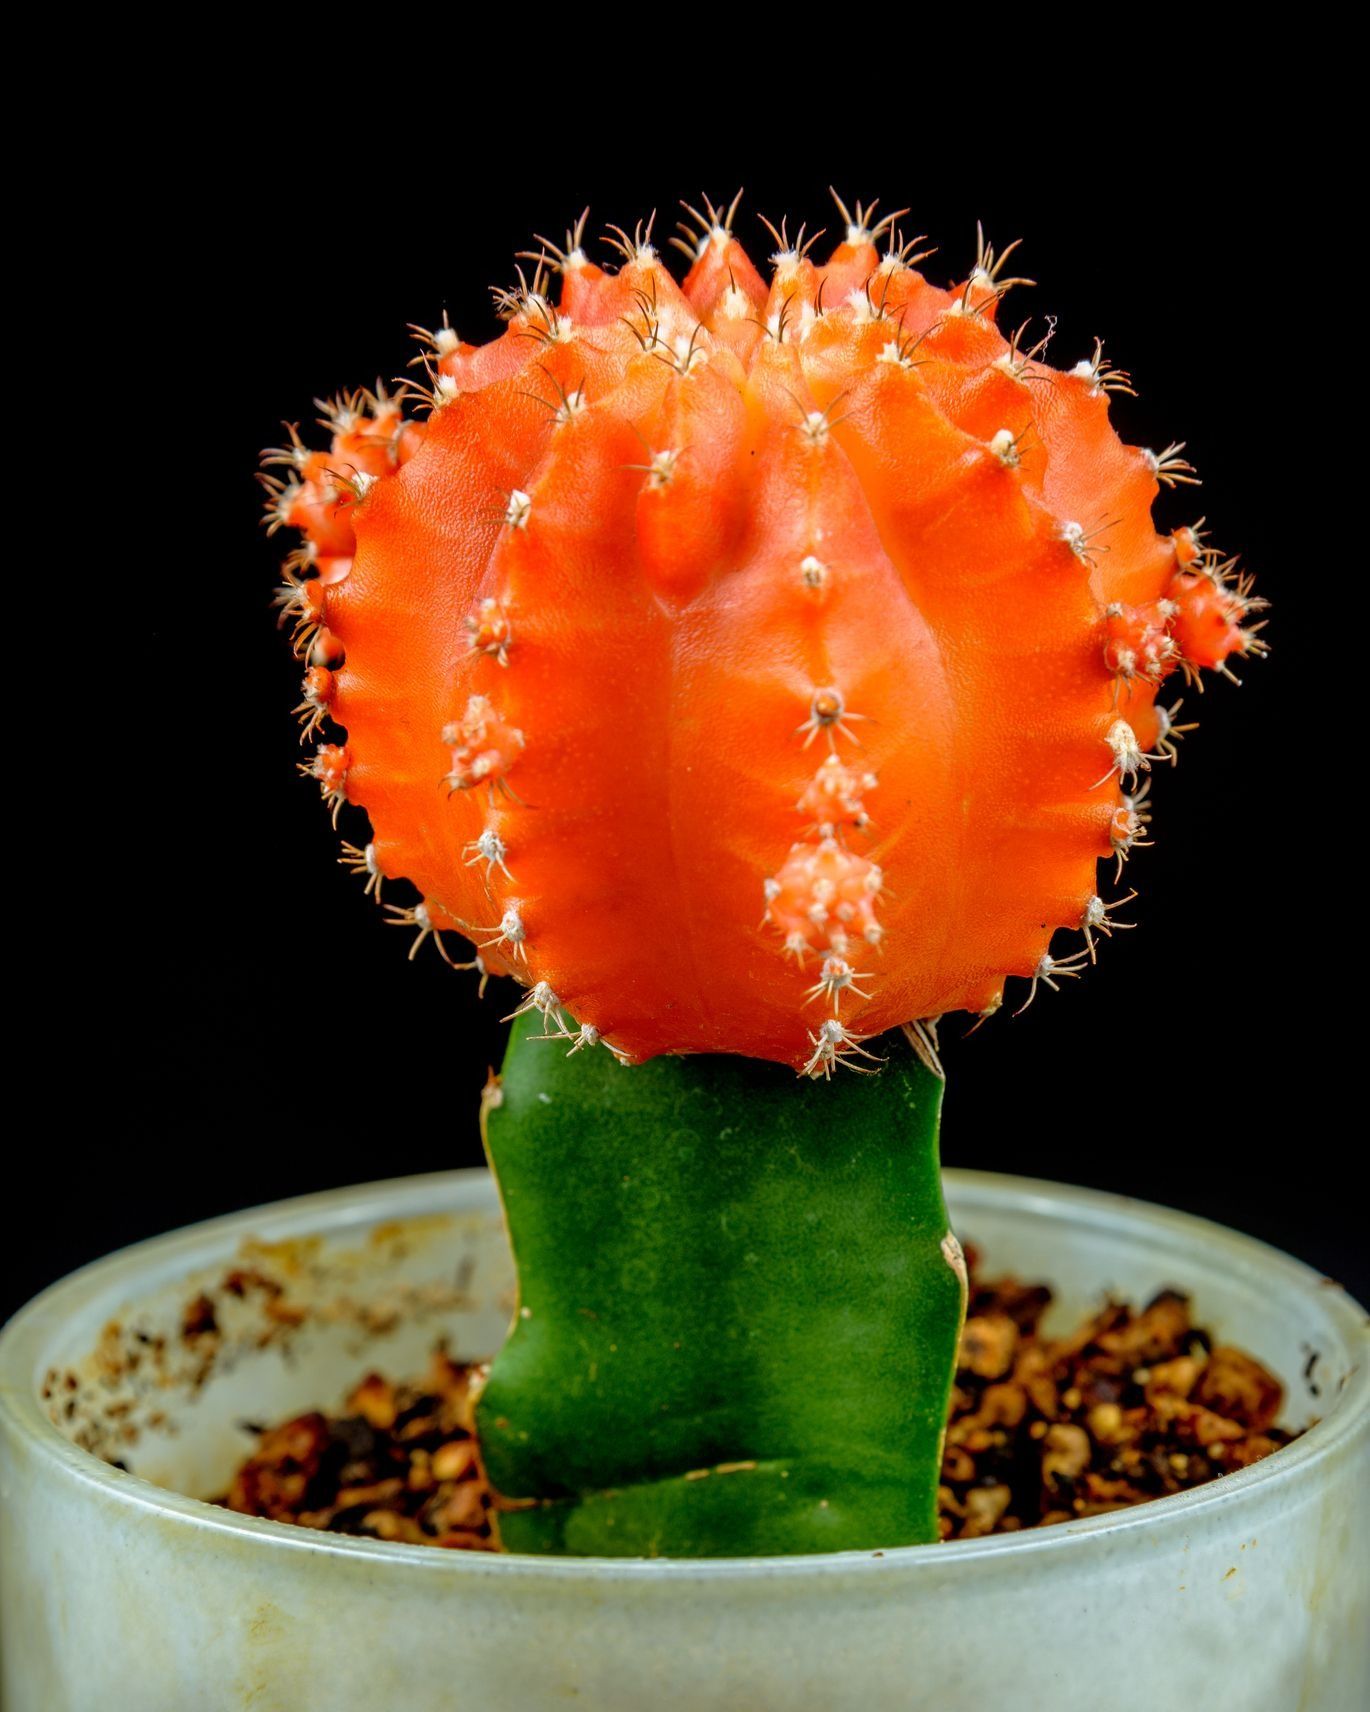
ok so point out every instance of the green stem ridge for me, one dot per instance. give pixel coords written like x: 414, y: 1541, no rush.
x: 738, y: 1306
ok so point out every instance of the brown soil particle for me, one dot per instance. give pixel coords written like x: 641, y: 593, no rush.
x: 1127, y: 1407
x: 399, y: 1463
x: 1130, y: 1405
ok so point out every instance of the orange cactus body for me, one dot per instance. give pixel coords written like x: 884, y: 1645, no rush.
x: 747, y: 668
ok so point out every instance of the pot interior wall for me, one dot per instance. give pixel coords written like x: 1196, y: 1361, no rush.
x: 185, y: 1340
x: 164, y: 1375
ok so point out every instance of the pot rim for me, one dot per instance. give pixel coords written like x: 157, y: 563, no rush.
x: 334, y: 1210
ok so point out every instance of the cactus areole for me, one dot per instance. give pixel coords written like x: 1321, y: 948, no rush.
x: 749, y: 669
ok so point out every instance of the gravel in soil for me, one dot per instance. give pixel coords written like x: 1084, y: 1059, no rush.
x: 1132, y: 1404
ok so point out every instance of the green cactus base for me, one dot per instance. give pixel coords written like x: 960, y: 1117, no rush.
x: 738, y: 1311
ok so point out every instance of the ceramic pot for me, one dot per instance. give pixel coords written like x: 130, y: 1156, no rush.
x: 125, y: 1590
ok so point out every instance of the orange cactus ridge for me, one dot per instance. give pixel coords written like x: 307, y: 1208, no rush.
x: 747, y: 667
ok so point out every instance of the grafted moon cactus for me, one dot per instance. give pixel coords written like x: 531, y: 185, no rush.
x: 755, y: 666
x: 747, y: 668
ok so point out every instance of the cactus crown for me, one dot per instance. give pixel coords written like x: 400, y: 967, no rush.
x: 747, y: 667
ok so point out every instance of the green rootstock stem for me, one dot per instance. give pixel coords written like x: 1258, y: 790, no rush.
x: 738, y: 1314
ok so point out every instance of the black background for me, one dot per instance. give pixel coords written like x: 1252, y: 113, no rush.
x: 263, y: 1033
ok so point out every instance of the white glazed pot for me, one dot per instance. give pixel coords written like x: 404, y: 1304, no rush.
x: 1248, y: 1594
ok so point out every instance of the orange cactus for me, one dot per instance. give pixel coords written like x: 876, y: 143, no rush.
x: 748, y: 668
